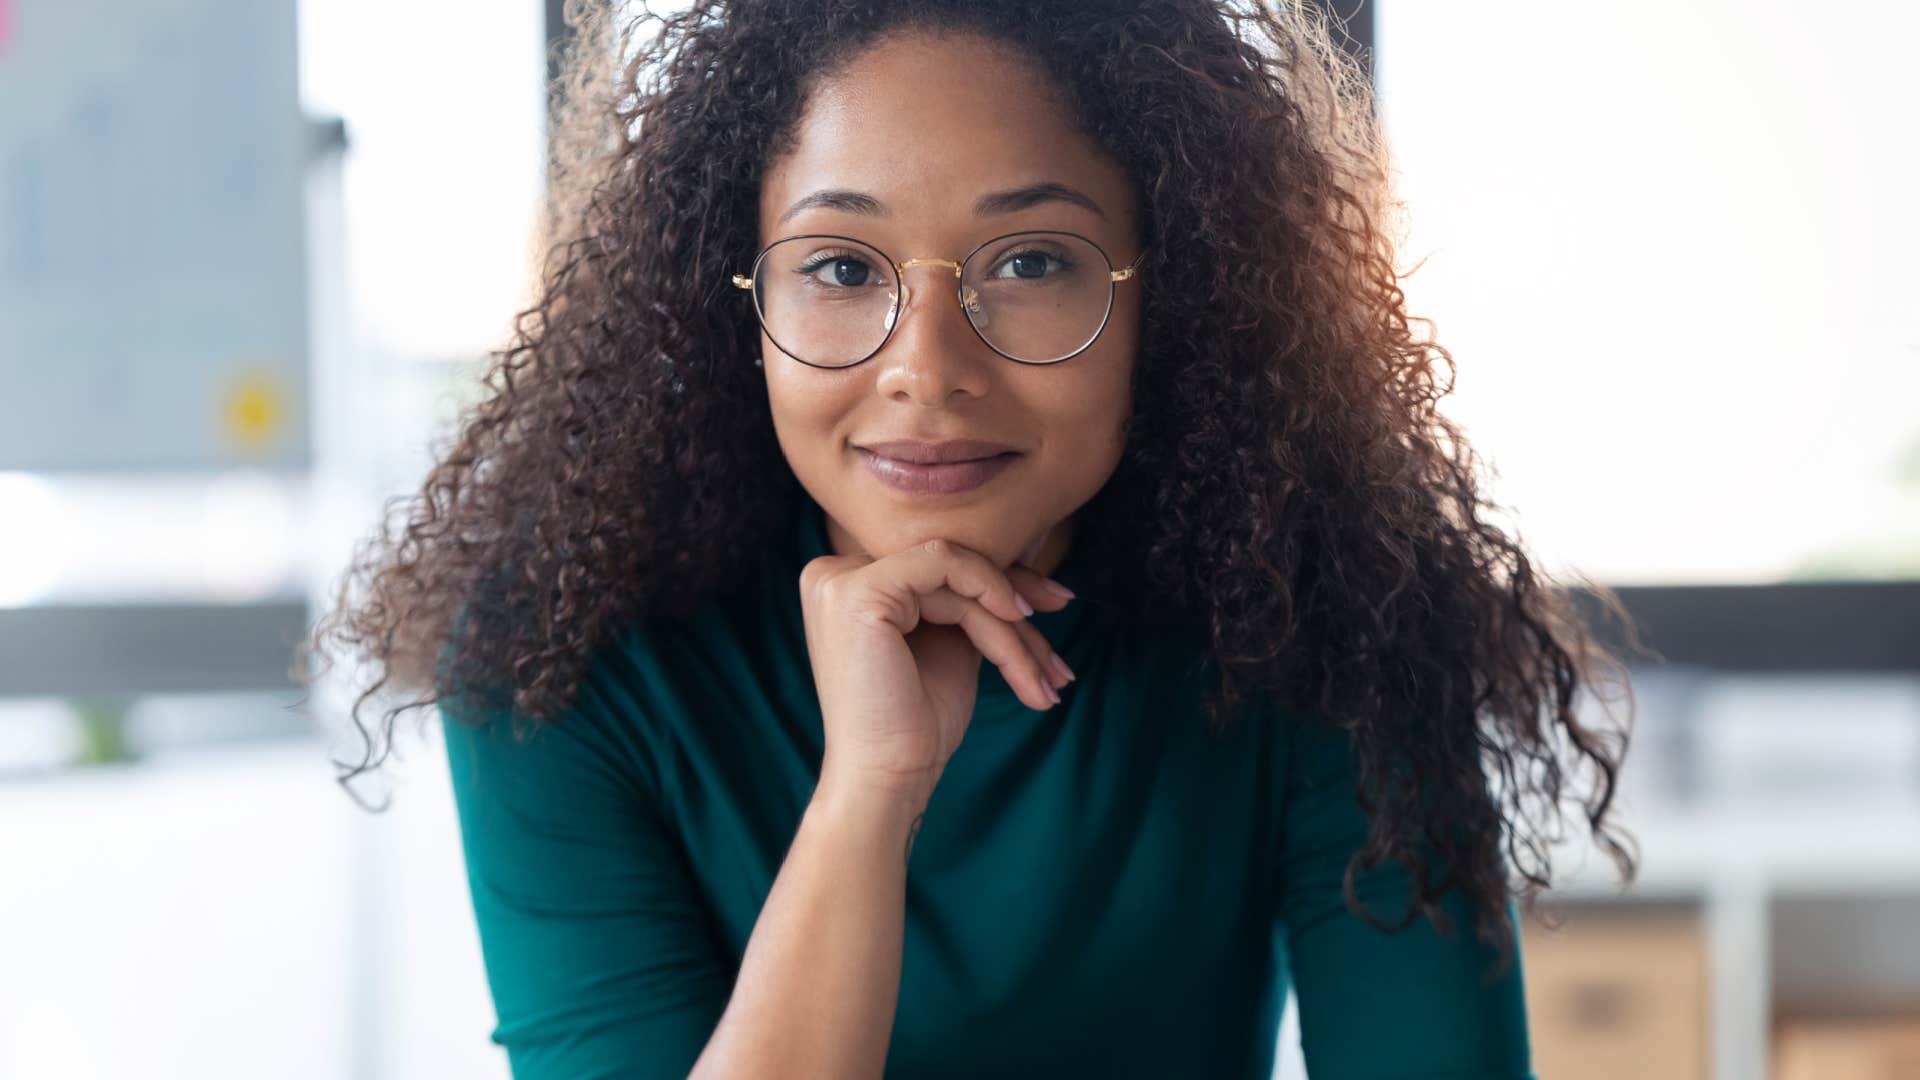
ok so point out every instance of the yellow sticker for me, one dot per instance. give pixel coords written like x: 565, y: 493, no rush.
x: 253, y: 409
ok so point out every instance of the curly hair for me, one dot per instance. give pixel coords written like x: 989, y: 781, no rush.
x: 1286, y: 483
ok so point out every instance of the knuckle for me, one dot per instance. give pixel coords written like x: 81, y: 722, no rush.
x: 829, y: 591
x: 811, y: 573
x: 870, y: 617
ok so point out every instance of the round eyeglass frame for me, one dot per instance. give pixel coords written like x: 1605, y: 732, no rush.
x: 1114, y: 277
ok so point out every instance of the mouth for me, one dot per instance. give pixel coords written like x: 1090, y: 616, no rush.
x: 915, y: 452
x: 936, y: 478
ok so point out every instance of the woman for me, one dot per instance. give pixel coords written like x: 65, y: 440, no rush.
x: 776, y: 749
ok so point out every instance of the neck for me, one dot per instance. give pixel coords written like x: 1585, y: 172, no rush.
x: 1047, y: 552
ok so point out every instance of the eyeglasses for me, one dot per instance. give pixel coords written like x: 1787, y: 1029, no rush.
x: 1034, y: 297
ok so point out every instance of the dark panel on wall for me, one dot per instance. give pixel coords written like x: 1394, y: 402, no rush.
x: 148, y: 648
x: 1842, y: 626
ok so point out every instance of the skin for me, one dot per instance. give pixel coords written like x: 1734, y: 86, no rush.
x: 926, y: 124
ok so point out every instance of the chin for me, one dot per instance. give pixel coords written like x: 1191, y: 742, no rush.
x: 905, y: 531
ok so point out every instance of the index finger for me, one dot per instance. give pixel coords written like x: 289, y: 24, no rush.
x: 942, y: 563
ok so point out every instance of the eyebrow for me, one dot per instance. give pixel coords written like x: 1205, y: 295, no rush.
x: 1009, y: 201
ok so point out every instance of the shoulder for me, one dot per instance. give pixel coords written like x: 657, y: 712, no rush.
x: 602, y: 740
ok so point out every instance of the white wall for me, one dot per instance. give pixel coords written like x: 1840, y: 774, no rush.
x: 232, y: 913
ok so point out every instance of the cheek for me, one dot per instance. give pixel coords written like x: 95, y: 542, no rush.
x: 810, y: 414
x: 1106, y: 398
x: 1086, y: 417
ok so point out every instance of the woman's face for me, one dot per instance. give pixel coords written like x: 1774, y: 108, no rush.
x: 924, y: 127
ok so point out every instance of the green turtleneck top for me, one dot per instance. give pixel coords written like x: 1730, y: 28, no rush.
x: 1104, y: 889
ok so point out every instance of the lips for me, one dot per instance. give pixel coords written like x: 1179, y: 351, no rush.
x: 949, y: 478
x: 937, y: 453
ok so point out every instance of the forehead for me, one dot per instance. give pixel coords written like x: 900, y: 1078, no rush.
x: 926, y: 123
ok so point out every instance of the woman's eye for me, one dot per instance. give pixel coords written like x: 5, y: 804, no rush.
x: 841, y: 271
x: 1031, y: 265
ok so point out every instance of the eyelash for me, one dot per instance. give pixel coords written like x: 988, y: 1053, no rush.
x: 826, y: 258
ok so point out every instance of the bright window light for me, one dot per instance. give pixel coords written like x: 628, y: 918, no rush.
x: 1672, y: 247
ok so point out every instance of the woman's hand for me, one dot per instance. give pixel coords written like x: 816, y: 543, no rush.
x: 896, y: 645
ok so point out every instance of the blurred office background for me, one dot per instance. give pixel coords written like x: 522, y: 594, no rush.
x: 253, y: 255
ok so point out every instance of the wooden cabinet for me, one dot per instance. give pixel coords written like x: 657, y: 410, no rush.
x: 1847, y: 1050
x: 1611, y: 996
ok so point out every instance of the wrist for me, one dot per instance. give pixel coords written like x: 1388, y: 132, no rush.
x: 892, y: 796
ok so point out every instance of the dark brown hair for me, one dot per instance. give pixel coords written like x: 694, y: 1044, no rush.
x: 1287, y: 483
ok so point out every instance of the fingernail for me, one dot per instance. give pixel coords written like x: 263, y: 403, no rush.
x: 1054, y: 694
x: 1060, y: 668
x: 1057, y: 588
x: 1021, y: 602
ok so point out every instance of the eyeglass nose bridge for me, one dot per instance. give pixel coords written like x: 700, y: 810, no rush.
x: 969, y: 302
x: 901, y: 268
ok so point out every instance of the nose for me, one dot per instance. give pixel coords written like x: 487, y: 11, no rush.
x: 933, y: 353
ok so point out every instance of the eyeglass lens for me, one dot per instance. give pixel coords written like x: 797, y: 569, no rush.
x: 1036, y: 297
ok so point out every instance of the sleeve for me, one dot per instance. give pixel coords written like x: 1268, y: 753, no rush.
x: 596, y: 945
x: 1410, y: 1005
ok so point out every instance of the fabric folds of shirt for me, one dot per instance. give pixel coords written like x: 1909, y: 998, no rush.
x: 1103, y: 889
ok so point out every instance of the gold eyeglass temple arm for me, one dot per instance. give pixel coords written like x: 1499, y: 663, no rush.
x: 1132, y: 267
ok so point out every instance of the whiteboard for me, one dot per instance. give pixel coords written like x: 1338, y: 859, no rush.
x: 152, y: 279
